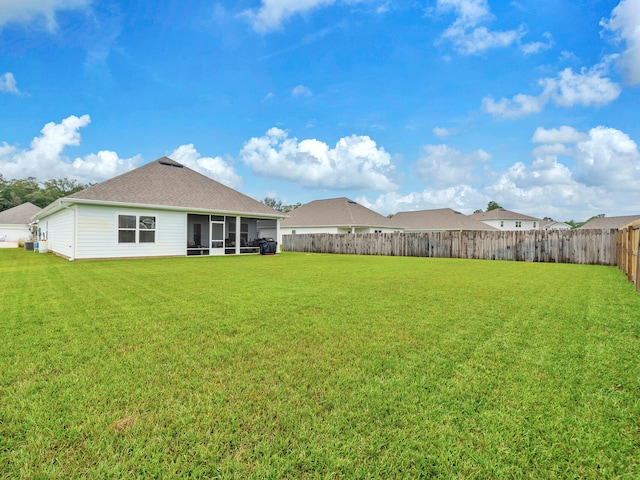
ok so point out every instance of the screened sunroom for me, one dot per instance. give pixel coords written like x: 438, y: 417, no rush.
x: 226, y: 235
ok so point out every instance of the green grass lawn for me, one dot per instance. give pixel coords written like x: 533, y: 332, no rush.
x: 317, y: 366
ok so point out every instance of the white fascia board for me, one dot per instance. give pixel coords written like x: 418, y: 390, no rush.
x: 83, y: 201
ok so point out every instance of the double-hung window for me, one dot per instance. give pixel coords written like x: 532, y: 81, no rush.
x: 518, y: 224
x: 136, y: 229
x: 147, y: 229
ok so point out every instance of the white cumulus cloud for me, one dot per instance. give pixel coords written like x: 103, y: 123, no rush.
x: 519, y: 106
x: 587, y: 88
x: 599, y: 173
x: 355, y: 161
x: 29, y: 11
x: 602, y: 171
x: 443, y: 165
x: 272, y: 13
x: 610, y: 158
x: 8, y: 84
x: 459, y: 197
x: 301, y: 91
x: 444, y: 132
x: 537, y: 47
x: 625, y: 24
x: 563, y: 134
x: 467, y: 34
x: 44, y: 159
x: 213, y: 167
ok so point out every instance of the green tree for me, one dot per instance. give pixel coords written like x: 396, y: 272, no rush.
x: 493, y: 206
x: 288, y: 208
x: 277, y: 205
x: 575, y: 224
x: 17, y: 192
x: 271, y: 202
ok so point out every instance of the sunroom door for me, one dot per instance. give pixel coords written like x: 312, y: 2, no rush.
x: 217, y: 235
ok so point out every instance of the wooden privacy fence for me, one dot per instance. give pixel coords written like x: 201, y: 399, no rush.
x: 627, y: 247
x: 555, y: 246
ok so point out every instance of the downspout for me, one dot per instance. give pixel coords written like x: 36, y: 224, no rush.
x: 74, y: 241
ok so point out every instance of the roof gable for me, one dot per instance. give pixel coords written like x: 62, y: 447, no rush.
x: 20, y: 215
x: 439, y: 219
x: 165, y: 182
x: 601, y: 223
x: 501, y: 214
x: 340, y: 212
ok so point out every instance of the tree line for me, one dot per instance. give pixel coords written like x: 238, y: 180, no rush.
x: 16, y: 192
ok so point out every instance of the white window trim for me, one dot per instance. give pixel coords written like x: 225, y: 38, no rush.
x: 136, y: 229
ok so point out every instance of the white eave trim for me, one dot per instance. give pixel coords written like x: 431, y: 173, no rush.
x: 58, y: 205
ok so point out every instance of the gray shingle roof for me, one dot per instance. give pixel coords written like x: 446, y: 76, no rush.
x: 20, y: 215
x: 501, y: 214
x: 165, y: 182
x: 601, y: 223
x: 336, y: 212
x: 547, y: 223
x: 439, y: 219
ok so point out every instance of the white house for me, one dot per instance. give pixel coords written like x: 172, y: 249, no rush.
x: 505, y: 220
x: 160, y: 209
x: 553, y: 225
x: 336, y: 215
x: 14, y: 222
x: 439, y: 220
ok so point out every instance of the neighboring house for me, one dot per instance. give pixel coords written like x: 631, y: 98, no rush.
x: 553, y: 225
x: 505, y: 220
x: 438, y: 220
x: 606, y: 223
x: 14, y: 222
x: 160, y: 209
x: 336, y: 215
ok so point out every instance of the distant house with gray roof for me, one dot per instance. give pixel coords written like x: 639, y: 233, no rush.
x: 336, y: 215
x: 438, y: 220
x: 506, y: 220
x: 160, y: 209
x: 14, y: 222
x: 606, y: 223
x: 553, y: 225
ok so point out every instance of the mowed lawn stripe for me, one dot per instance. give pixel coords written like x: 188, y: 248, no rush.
x: 315, y: 366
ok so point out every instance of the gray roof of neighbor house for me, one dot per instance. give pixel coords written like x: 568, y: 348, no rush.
x: 19, y: 215
x: 601, y: 223
x: 167, y: 183
x: 546, y: 223
x: 439, y: 219
x: 336, y: 212
x: 501, y: 214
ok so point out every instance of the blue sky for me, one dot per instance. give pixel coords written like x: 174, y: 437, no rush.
x: 399, y: 105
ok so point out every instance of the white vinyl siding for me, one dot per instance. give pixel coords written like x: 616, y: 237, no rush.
x: 513, y: 224
x: 14, y: 233
x: 58, y: 229
x: 98, y: 233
